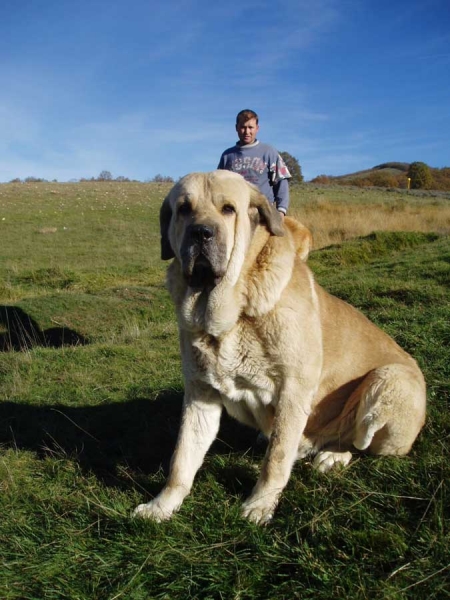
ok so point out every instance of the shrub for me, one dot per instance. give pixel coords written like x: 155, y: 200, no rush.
x: 441, y: 178
x: 383, y: 180
x: 360, y: 182
x: 420, y: 175
x: 324, y: 179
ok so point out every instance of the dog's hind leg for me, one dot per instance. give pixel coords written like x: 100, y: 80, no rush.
x: 330, y: 444
x: 391, y: 410
x: 327, y: 459
x: 383, y: 416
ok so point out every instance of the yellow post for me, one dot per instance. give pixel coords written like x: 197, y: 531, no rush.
x: 409, y: 182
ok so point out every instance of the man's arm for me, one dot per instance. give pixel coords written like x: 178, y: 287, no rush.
x: 281, y: 194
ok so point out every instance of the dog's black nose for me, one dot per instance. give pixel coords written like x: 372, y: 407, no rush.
x: 201, y: 233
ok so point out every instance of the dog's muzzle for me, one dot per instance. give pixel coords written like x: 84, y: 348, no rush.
x: 201, y: 257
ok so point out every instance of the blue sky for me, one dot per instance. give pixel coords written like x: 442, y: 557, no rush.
x: 141, y: 88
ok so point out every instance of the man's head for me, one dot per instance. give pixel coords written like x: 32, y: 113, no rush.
x: 247, y: 126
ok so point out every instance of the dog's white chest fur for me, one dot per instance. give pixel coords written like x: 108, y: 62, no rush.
x: 236, y: 366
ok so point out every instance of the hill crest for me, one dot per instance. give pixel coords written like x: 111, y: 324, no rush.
x: 392, y: 174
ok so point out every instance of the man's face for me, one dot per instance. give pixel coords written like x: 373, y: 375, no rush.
x: 247, y: 131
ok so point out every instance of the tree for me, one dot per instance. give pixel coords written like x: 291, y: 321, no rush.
x: 105, y: 176
x: 420, y: 175
x: 162, y: 179
x: 294, y: 168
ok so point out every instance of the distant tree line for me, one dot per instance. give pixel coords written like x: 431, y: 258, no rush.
x: 416, y: 176
x: 31, y: 180
x: 291, y: 163
x: 107, y: 176
x: 103, y: 176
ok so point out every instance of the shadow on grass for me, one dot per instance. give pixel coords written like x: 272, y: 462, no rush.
x: 21, y: 332
x: 121, y: 443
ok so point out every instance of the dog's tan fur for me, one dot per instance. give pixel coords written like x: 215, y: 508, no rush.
x: 260, y: 338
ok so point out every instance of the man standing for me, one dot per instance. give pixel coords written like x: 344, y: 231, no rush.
x: 258, y: 163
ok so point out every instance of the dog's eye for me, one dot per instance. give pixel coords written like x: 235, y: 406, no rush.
x: 227, y: 209
x: 184, y: 209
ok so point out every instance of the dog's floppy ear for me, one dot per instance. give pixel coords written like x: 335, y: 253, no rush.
x: 165, y: 215
x: 267, y: 212
x: 301, y: 236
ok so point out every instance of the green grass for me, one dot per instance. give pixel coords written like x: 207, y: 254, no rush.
x: 90, y: 401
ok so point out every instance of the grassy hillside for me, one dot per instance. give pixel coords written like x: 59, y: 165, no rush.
x: 394, y: 169
x: 388, y: 175
x: 91, y: 393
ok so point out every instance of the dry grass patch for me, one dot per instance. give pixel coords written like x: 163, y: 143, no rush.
x: 334, y: 217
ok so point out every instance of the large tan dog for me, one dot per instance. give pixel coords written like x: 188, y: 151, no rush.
x: 261, y: 339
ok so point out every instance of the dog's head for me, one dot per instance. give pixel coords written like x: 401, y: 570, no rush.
x: 209, y: 216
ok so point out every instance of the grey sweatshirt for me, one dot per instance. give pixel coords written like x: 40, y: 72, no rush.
x: 261, y: 165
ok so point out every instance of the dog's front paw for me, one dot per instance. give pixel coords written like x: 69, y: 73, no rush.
x: 154, y: 510
x: 259, y: 510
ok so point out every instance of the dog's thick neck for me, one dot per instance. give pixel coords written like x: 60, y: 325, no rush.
x: 243, y: 291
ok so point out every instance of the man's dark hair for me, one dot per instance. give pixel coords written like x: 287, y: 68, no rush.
x: 246, y: 115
